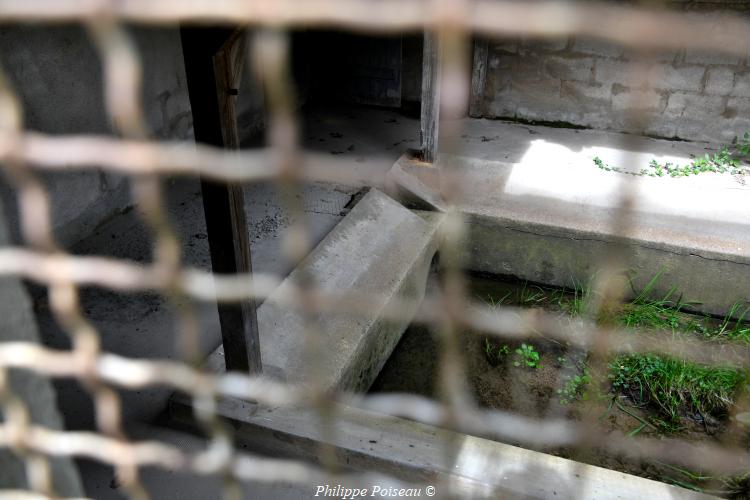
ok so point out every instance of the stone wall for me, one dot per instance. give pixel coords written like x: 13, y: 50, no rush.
x: 684, y: 94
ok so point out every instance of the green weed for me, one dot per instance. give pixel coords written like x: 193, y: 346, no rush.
x: 734, y: 326
x: 529, y: 357
x: 573, y: 303
x: 673, y: 385
x: 574, y: 388
x: 732, y: 159
x: 495, y: 352
x: 531, y: 295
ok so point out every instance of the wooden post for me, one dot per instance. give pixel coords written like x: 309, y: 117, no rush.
x: 478, y: 77
x: 213, y: 66
x: 430, y: 97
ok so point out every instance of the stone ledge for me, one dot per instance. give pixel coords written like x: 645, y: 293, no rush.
x: 552, y: 224
x: 415, y: 453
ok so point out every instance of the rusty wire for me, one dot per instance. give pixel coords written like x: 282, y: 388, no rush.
x: 23, y: 154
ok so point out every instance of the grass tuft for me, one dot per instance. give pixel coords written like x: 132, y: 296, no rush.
x: 675, y: 386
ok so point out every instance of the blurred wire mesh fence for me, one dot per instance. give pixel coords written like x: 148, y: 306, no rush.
x: 24, y: 153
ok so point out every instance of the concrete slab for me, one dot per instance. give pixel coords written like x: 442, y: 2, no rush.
x: 381, y: 249
x: 499, y: 140
x: 553, y: 225
x: 168, y: 484
x: 142, y: 325
x: 416, y: 453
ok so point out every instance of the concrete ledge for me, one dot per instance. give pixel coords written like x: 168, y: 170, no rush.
x: 415, y: 453
x: 553, y: 225
x: 379, y: 248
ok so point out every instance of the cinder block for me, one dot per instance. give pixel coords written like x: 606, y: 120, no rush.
x: 596, y: 47
x: 587, y: 94
x: 579, y: 69
x: 698, y: 106
x: 659, y: 127
x: 586, y: 104
x: 732, y: 128
x: 741, y: 85
x: 609, y: 71
x: 737, y: 107
x: 720, y: 81
x: 697, y: 115
x: 500, y: 61
x: 550, y: 45
x: 509, y: 45
x: 501, y: 106
x: 668, y: 56
x: 693, y: 56
x: 657, y: 76
x: 540, y: 92
x: 671, y: 77
x: 530, y: 68
x: 643, y: 100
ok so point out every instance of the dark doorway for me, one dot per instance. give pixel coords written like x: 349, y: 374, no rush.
x: 334, y: 67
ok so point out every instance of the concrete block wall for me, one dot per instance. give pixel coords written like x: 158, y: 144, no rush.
x: 36, y: 392
x: 57, y: 74
x: 684, y: 94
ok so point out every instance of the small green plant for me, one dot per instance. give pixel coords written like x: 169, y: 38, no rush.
x: 600, y: 163
x: 494, y: 352
x: 732, y: 159
x: 529, y: 357
x: 734, y: 326
x: 574, y: 388
x: 489, y: 348
x: 574, y: 304
x: 531, y: 295
x: 673, y: 387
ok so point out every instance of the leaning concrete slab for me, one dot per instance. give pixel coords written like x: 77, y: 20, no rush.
x: 553, y: 225
x: 380, y: 249
x: 416, y: 453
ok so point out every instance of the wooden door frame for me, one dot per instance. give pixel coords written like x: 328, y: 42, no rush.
x: 214, y: 60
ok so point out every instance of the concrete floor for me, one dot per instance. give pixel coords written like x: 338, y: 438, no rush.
x: 166, y: 484
x: 142, y: 325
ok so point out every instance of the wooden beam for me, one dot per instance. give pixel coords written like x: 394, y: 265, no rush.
x: 478, y: 77
x: 213, y: 65
x: 430, y: 97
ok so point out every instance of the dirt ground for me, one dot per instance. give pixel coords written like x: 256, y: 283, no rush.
x: 497, y: 383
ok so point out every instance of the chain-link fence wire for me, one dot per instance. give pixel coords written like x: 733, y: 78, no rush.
x: 450, y: 311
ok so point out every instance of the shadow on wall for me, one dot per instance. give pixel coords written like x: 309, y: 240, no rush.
x: 57, y: 74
